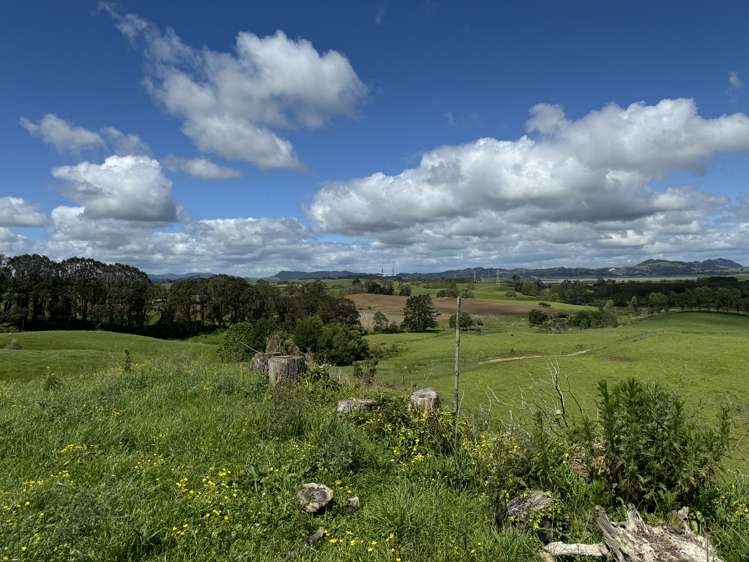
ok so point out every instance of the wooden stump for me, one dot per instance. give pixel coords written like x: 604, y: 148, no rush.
x: 425, y: 400
x: 285, y: 368
x: 259, y: 362
x: 634, y: 541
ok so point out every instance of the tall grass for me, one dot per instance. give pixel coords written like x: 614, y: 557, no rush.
x: 192, y: 460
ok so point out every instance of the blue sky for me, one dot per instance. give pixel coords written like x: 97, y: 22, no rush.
x: 352, y: 139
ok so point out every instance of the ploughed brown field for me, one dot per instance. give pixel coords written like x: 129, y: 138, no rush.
x: 392, y: 306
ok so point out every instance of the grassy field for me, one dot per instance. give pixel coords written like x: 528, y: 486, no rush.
x: 703, y: 355
x: 66, y: 353
x: 188, y: 459
x: 192, y: 460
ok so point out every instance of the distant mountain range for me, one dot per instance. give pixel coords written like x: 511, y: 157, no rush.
x: 648, y: 268
x: 166, y: 277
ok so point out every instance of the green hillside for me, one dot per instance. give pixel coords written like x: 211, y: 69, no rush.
x: 66, y: 353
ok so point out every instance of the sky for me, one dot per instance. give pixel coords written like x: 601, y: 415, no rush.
x: 248, y: 137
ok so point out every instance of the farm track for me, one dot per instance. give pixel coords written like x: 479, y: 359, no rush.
x: 636, y: 337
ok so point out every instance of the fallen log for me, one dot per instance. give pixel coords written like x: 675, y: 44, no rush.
x: 634, y: 541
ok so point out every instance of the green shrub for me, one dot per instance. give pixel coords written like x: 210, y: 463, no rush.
x: 467, y: 322
x: 654, y: 454
x: 307, y: 332
x: 341, y: 344
x: 242, y: 340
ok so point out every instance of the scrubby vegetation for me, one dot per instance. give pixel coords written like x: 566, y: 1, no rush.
x: 197, y: 460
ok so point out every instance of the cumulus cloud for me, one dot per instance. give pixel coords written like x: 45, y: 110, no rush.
x: 201, y: 168
x: 61, y: 134
x: 15, y: 211
x: 66, y: 137
x: 233, y: 103
x: 122, y: 187
x: 595, y: 170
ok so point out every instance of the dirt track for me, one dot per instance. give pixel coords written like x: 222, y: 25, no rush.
x: 392, y: 307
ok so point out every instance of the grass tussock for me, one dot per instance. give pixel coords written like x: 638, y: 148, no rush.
x: 193, y: 460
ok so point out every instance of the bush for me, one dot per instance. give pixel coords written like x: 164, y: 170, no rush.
x: 307, y: 332
x: 404, y: 290
x: 243, y: 339
x: 341, y: 344
x: 654, y: 454
x: 467, y: 322
x: 380, y: 322
x: 538, y: 317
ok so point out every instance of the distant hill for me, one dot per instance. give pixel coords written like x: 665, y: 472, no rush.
x: 647, y: 268
x: 166, y: 277
x: 301, y: 275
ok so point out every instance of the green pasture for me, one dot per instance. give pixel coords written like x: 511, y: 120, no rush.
x: 67, y: 353
x: 704, y: 356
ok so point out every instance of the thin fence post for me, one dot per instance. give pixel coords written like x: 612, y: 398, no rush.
x: 456, y: 397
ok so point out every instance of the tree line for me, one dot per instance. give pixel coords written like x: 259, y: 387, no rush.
x: 709, y: 293
x: 37, y: 292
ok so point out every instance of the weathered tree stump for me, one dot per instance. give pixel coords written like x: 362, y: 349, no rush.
x: 634, y: 541
x: 355, y: 405
x: 314, y: 498
x: 425, y: 400
x: 259, y: 362
x: 519, y: 511
x: 285, y: 368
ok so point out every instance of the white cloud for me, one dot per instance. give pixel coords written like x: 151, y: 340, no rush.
x: 66, y: 137
x: 735, y: 84
x: 201, y: 168
x: 594, y: 169
x: 62, y: 134
x: 233, y: 103
x: 15, y: 211
x: 124, y: 144
x: 122, y: 187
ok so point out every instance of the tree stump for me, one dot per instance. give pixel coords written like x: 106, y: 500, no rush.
x: 354, y: 405
x: 425, y: 400
x: 634, y: 541
x: 259, y: 362
x: 285, y: 368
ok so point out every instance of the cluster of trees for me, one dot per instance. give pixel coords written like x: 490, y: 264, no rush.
x: 195, y: 305
x: 700, y: 298
x: 556, y: 320
x: 37, y: 292
x: 379, y: 287
x: 467, y: 322
x: 709, y: 293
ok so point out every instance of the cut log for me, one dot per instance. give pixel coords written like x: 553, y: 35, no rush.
x: 425, y: 400
x: 355, y: 405
x: 259, y: 362
x: 563, y: 549
x: 634, y: 541
x: 282, y: 368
